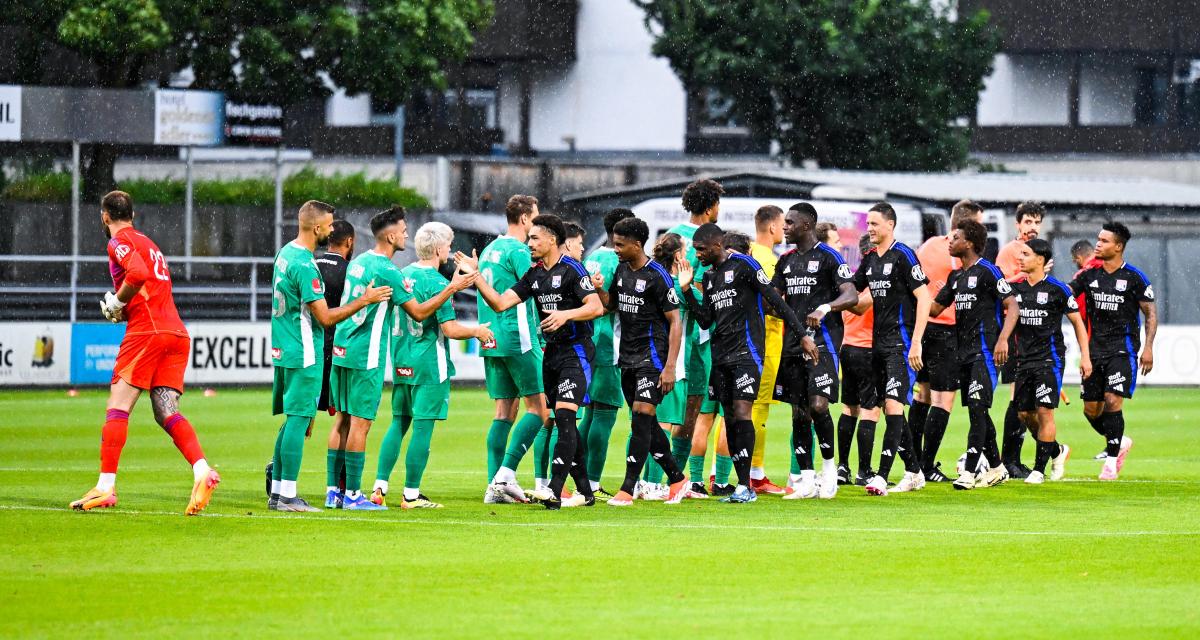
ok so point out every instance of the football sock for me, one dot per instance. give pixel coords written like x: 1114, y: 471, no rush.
x: 696, y: 468
x: 522, y: 438
x: 976, y: 434
x: 497, y: 440
x: 893, y: 434
x: 584, y: 421
x: 184, y: 437
x: 354, y: 461
x: 292, y: 448
x: 845, y: 438
x: 597, y: 437
x: 935, y: 430
x: 793, y: 461
x: 907, y: 451
x: 1042, y: 455
x: 866, y: 443
x: 417, y: 456
x: 543, y: 445
x: 990, y: 450
x: 1114, y: 422
x: 741, y: 447
x: 112, y: 439
x: 680, y: 447
x: 1097, y: 424
x: 389, y: 449
x: 918, y: 415
x: 660, y: 450
x: 334, y: 458
x: 1014, y: 432
x: 802, y: 440
x: 721, y: 469
x: 759, y: 412
x: 823, y: 425
x: 638, y: 449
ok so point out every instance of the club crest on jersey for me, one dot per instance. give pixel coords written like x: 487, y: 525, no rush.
x: 972, y: 281
x: 639, y: 286
x: 1122, y: 285
x: 813, y: 265
x: 1043, y: 297
x: 728, y: 277
x: 887, y: 269
x: 844, y: 272
x: 555, y: 281
x: 762, y: 277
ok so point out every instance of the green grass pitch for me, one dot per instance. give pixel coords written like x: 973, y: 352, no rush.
x: 1070, y: 559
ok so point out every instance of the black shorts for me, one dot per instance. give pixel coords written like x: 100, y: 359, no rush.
x: 567, y: 373
x: 800, y: 379
x: 323, y: 399
x: 894, y: 378
x: 978, y: 381
x: 1037, y: 386
x: 737, y: 380
x: 1008, y: 371
x: 938, y: 349
x: 1114, y: 373
x: 641, y: 385
x: 858, y: 382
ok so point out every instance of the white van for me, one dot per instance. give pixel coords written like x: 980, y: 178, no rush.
x: 913, y: 224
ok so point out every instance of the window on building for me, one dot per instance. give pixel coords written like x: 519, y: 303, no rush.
x: 1150, y: 97
x: 1187, y: 83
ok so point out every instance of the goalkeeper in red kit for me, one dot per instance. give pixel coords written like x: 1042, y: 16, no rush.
x: 153, y: 355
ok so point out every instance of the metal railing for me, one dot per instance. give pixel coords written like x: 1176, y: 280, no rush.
x: 74, y: 288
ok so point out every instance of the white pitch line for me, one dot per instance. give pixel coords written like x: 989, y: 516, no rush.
x: 625, y: 525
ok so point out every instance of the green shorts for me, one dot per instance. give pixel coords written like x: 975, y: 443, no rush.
x: 606, y: 386
x: 514, y: 376
x: 673, y: 407
x: 421, y: 401
x: 356, y: 391
x: 699, y: 365
x: 295, y: 392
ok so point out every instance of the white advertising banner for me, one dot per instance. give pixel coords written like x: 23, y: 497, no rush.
x: 10, y: 112
x: 188, y: 118
x: 35, y: 353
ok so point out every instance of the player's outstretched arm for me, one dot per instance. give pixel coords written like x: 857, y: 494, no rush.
x: 762, y: 285
x: 421, y: 311
x: 1150, y: 311
x: 455, y: 330
x: 329, y: 318
x: 864, y: 302
x: 1081, y: 337
x: 847, y: 299
x: 589, y: 310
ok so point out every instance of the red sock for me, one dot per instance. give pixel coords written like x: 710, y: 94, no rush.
x: 184, y: 436
x: 112, y: 440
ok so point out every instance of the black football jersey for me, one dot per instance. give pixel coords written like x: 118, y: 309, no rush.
x: 977, y: 293
x: 1039, y: 328
x: 892, y: 278
x: 808, y: 280
x: 642, y: 298
x: 733, y: 307
x: 1113, y: 302
x: 559, y: 288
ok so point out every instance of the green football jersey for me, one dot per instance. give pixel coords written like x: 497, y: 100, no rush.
x: 420, y: 352
x: 687, y: 231
x: 502, y: 264
x: 361, y: 341
x: 297, y: 341
x: 606, y: 328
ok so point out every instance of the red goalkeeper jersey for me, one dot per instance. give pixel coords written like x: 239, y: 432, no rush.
x: 134, y: 258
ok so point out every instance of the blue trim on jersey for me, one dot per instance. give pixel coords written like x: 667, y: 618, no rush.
x: 999, y: 304
x: 912, y: 373
x: 1138, y: 271
x: 831, y: 251
x: 747, y: 259
x: 829, y: 344
x: 988, y: 358
x: 664, y: 273
x: 903, y: 330
x: 903, y: 248
x: 750, y: 339
x: 1133, y: 371
x: 654, y: 351
x: 572, y: 262
x: 1061, y: 285
x: 587, y: 372
x: 1058, y: 364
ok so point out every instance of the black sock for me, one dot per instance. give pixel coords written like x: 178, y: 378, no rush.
x: 990, y: 450
x: 845, y: 437
x: 866, y: 443
x: 564, y: 450
x: 660, y: 449
x: 918, y: 416
x: 1014, y: 435
x: 1114, y: 423
x: 802, y: 440
x: 823, y: 424
x: 893, y: 436
x: 935, y: 430
x: 1097, y: 424
x: 583, y: 484
x: 1042, y: 456
x: 741, y: 447
x: 639, y: 448
x: 975, y: 437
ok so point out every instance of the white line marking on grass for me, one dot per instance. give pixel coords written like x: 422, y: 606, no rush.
x: 626, y: 524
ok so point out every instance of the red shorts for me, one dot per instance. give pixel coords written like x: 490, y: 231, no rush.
x: 153, y: 360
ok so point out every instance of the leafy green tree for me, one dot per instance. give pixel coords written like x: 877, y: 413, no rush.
x: 856, y: 84
x: 277, y: 51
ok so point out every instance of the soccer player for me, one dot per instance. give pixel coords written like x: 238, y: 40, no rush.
x: 937, y: 381
x: 512, y: 368
x: 768, y: 233
x: 817, y: 284
x: 1043, y: 301
x: 733, y: 290
x: 901, y: 302
x: 298, y: 299
x: 860, y: 403
x: 978, y: 292
x: 1030, y: 216
x: 643, y: 296
x: 598, y: 419
x: 421, y: 364
x: 153, y: 355
x: 332, y: 266
x: 360, y: 350
x: 567, y: 302
x: 1115, y: 293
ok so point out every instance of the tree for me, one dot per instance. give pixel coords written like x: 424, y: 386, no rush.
x: 855, y: 84
x: 277, y: 51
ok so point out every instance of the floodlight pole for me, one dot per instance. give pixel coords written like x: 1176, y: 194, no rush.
x: 74, y: 228
x: 188, y: 212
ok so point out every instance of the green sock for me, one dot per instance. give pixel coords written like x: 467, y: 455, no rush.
x: 418, y: 453
x: 355, y: 461
x: 597, y: 440
x: 332, y: 471
x: 696, y: 469
x: 389, y: 450
x: 680, y: 448
x: 540, y: 458
x: 292, y: 448
x: 276, y: 457
x: 497, y: 438
x: 724, y: 467
x: 523, y: 435
x: 585, y: 422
